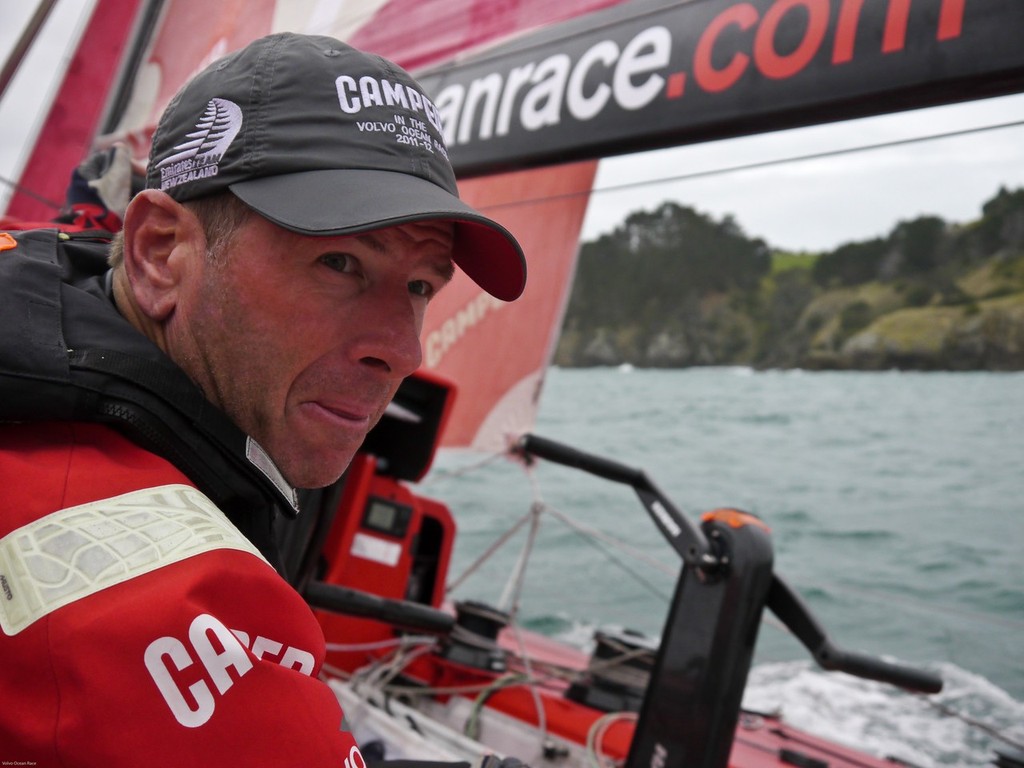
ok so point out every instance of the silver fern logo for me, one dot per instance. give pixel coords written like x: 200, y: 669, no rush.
x: 198, y: 157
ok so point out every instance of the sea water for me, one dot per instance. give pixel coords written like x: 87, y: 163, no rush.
x: 896, y: 504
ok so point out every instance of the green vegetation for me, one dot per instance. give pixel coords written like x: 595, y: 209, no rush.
x: 783, y: 261
x: 674, y: 287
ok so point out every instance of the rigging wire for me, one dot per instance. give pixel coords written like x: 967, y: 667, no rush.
x: 922, y: 606
x: 757, y: 165
x: 485, y: 556
x: 22, y: 189
x: 605, y: 544
x: 470, y: 468
x: 602, y: 537
x: 23, y: 44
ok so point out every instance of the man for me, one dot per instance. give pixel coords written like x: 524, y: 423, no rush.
x: 264, y: 302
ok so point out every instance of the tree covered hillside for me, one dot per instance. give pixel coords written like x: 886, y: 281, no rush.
x: 674, y: 287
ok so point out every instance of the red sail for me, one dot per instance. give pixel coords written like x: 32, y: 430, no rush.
x: 496, y: 352
x: 70, y: 128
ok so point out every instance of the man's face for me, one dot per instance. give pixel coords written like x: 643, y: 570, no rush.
x: 304, y: 340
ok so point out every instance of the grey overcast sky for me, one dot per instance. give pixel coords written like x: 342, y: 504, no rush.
x: 806, y: 205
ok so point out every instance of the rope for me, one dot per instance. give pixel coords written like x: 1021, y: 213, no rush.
x: 472, y: 727
x: 597, y: 732
x: 380, y: 644
x: 974, y: 723
x: 542, y: 720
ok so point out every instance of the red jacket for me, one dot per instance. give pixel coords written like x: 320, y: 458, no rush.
x: 139, y: 626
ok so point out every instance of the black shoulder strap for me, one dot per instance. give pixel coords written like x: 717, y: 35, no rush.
x: 67, y: 354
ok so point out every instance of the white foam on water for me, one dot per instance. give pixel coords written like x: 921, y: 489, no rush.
x: 947, y: 730
x: 886, y: 721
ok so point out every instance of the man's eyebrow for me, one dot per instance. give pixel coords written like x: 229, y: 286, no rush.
x: 446, y: 269
x: 371, y: 242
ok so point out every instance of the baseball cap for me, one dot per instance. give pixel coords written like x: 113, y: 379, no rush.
x: 323, y: 139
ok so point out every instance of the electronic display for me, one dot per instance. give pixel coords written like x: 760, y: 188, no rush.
x: 386, y: 516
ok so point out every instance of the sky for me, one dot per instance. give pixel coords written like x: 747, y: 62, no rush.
x: 815, y: 205
x: 809, y: 205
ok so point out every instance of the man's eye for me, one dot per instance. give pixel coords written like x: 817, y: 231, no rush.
x: 340, y: 262
x: 421, y: 288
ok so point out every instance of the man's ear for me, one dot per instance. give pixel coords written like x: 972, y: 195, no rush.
x: 162, y: 239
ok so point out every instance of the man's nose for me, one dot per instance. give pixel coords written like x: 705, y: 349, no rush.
x: 390, y: 335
